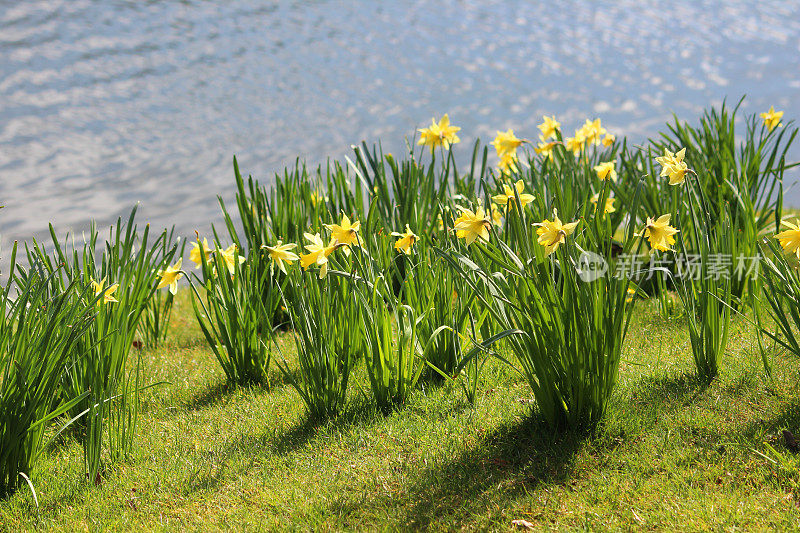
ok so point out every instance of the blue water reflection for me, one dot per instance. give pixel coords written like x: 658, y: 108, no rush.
x: 106, y: 103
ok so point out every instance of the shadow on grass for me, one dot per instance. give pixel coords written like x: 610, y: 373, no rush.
x: 658, y: 393
x: 220, y: 390
x: 771, y: 428
x: 210, y: 395
x: 277, y: 378
x: 255, y: 447
x: 513, y: 460
x: 360, y: 413
x: 739, y: 407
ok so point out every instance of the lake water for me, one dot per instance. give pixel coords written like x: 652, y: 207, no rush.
x: 103, y: 104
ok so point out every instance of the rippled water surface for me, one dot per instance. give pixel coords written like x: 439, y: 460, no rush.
x: 103, y: 104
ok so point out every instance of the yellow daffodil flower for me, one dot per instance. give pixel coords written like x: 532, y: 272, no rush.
x: 508, y: 163
x: 545, y: 148
x: 506, y: 143
x: 318, y: 253
x: 593, y: 130
x: 170, y: 277
x: 674, y: 166
x: 507, y: 198
x: 317, y: 198
x: 458, y: 220
x: 406, y: 240
x: 631, y: 293
x: 345, y: 233
x: 677, y: 173
x: 472, y: 225
x: 790, y: 238
x: 441, y: 134
x: 660, y: 233
x: 608, y: 140
x: 609, y: 208
x: 230, y: 256
x: 280, y: 253
x: 772, y: 118
x: 197, y: 249
x: 670, y: 159
x: 549, y: 127
x: 575, y: 144
x: 99, y: 287
x: 497, y: 215
x: 552, y: 233
x: 606, y: 170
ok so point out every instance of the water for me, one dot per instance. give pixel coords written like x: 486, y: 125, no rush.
x: 103, y: 104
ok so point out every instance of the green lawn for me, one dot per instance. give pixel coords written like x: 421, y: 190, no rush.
x: 672, y: 454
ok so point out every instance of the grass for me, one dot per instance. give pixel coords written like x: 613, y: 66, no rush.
x: 671, y: 454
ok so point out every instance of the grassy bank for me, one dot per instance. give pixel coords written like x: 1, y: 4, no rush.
x: 397, y: 344
x: 671, y: 454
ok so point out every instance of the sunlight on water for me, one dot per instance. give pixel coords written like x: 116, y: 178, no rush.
x: 107, y: 103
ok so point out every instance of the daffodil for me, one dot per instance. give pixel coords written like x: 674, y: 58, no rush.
x: 772, y: 118
x: 669, y: 159
x: 508, y: 163
x: 575, y: 144
x: 660, y: 233
x: 441, y: 134
x: 472, y: 225
x: 317, y: 198
x: 608, y: 140
x: 631, y: 293
x: 405, y: 241
x: 100, y: 287
x: 677, y: 173
x: 497, y: 215
x: 345, y: 233
x: 506, y: 143
x: 545, y: 148
x: 609, y: 208
x: 673, y: 166
x: 592, y: 130
x: 790, y: 238
x: 280, y: 253
x: 549, y: 127
x: 231, y: 256
x: 507, y: 198
x: 197, y: 249
x: 606, y: 170
x: 318, y: 253
x: 170, y: 277
x: 552, y: 233
x: 458, y: 220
